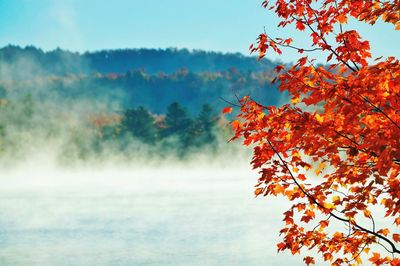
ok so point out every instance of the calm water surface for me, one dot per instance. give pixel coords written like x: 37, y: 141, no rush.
x: 138, y: 217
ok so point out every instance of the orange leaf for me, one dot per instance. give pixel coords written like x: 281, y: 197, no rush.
x: 324, y: 223
x: 278, y: 189
x: 342, y: 18
x: 288, y: 41
x: 281, y: 246
x: 384, y: 231
x: 309, y: 260
x: 258, y: 191
x: 367, y: 213
x: 227, y: 110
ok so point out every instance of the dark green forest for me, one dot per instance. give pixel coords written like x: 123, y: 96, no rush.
x: 59, y: 62
x: 119, y: 101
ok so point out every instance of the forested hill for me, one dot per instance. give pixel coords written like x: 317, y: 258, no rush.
x: 135, y: 77
x: 59, y: 62
x: 118, y: 100
x: 153, y: 91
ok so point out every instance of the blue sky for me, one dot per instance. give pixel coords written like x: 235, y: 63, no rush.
x: 220, y: 25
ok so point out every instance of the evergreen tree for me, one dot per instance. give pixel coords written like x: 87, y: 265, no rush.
x: 177, y: 121
x: 204, y: 126
x: 140, y: 124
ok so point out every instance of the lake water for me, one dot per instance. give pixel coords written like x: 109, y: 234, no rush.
x: 178, y: 216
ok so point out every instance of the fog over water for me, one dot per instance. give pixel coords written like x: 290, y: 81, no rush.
x: 70, y: 195
x: 134, y: 215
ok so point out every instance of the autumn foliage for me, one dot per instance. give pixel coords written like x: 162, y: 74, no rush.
x: 334, y: 150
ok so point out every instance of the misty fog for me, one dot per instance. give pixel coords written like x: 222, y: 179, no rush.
x: 81, y: 188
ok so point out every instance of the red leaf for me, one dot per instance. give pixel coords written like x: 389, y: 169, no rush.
x: 279, y: 68
x: 227, y: 110
x: 300, y: 25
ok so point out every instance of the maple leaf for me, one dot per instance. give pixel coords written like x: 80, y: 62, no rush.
x: 324, y: 223
x: 281, y: 246
x: 396, y: 237
x: 258, y: 191
x: 375, y: 258
x: 309, y: 260
x: 288, y: 41
x: 367, y: 213
x: 300, y: 25
x: 227, y: 110
x: 342, y: 18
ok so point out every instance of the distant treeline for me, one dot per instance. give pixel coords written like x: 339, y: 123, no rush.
x: 118, y: 100
x: 154, y: 91
x: 60, y: 62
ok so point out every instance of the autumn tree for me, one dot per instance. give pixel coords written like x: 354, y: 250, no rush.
x: 334, y: 150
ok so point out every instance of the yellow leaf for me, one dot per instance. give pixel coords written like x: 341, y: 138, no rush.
x: 260, y: 116
x: 335, y: 199
x: 295, y: 100
x: 329, y: 206
x: 371, y: 199
x: 309, y: 83
x: 319, y: 118
x: 320, y: 168
x: 296, y: 154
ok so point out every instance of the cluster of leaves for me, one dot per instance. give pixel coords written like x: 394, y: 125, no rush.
x: 334, y: 150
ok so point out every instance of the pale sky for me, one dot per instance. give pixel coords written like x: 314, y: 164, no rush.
x: 218, y: 25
